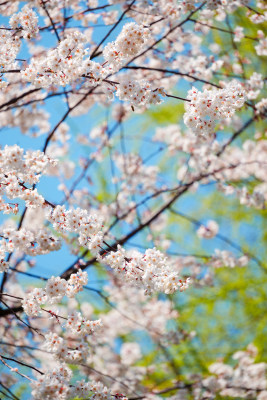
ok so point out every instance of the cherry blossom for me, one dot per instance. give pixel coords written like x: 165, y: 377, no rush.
x: 133, y: 189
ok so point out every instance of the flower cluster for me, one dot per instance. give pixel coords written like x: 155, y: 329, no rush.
x: 246, y: 378
x: 88, y: 226
x: 56, y: 384
x: 238, y: 34
x: 28, y: 241
x: 261, y: 106
x: 53, y: 384
x: 33, y: 300
x: 59, y: 347
x: 101, y: 392
x: 17, y: 168
x: 224, y: 258
x: 129, y: 43
x: 229, y: 5
x: 79, y: 326
x: 207, y: 108
x: 139, y: 93
x: 135, y: 175
x: 130, y: 353
x: 255, y: 199
x: 208, y: 231
x: 56, y: 288
x: 254, y: 85
x: 175, y: 140
x: 27, y: 20
x: 188, y: 5
x: 136, y: 178
x: 214, y: 4
x: 64, y: 64
x: 4, y: 265
x: 10, y: 46
x: 151, y: 312
x: 149, y: 270
x: 261, y: 48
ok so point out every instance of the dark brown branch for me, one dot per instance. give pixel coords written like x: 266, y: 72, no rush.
x: 51, y: 20
x: 22, y: 363
x: 51, y: 134
x: 174, y: 72
x: 220, y: 29
x: 167, y: 34
x: 94, y: 54
x: 235, y: 135
x: 15, y: 99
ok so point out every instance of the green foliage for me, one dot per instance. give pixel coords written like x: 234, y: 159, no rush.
x: 168, y: 113
x: 20, y: 390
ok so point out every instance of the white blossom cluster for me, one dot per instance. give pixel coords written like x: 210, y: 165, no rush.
x: 201, y: 66
x: 235, y: 164
x: 31, y: 120
x: 209, y: 231
x: 69, y: 62
x: 227, y: 5
x: 4, y: 265
x: 167, y: 41
x: 135, y: 175
x: 254, y: 85
x: 261, y: 48
x: 261, y: 106
x: 188, y: 5
x: 78, y: 326
x: 207, y: 108
x: 130, y: 353
x: 149, y: 270
x: 56, y: 288
x: 56, y: 384
x: 191, y: 5
x: 139, y: 93
x: 59, y: 347
x: 64, y: 64
x: 88, y: 226
x: 246, y: 380
x: 255, y: 199
x: 224, y: 258
x: 175, y: 139
x: 28, y: 241
x: 135, y: 178
x: 152, y: 313
x: 10, y: 46
x: 129, y: 43
x: 27, y: 20
x: 230, y: 5
x: 16, y: 169
x: 213, y: 4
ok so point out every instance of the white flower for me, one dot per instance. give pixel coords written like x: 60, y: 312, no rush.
x: 130, y: 353
x: 56, y: 289
x: 32, y: 302
x: 209, y: 231
x: 150, y: 270
x: 28, y: 21
x: 130, y: 42
x: 207, y: 108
